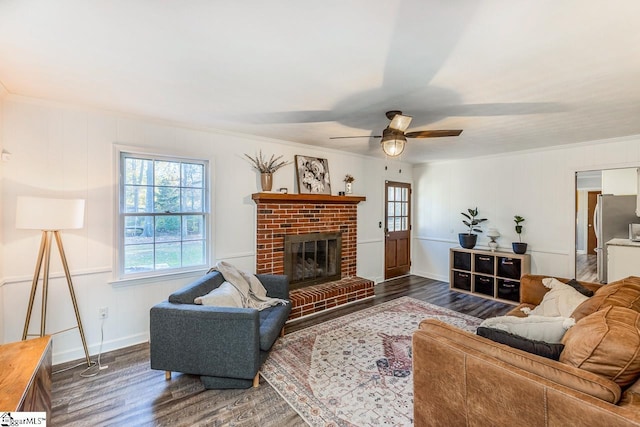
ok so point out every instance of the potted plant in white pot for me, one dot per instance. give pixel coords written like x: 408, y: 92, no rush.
x: 468, y: 240
x: 519, y: 247
x: 348, y: 183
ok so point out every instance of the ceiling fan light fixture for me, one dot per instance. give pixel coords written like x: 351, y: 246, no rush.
x: 400, y: 122
x: 393, y: 144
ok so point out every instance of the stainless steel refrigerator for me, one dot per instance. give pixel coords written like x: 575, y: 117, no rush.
x: 611, y: 220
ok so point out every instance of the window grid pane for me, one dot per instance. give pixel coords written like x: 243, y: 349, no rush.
x: 157, y: 241
x: 192, y: 175
x: 397, y: 208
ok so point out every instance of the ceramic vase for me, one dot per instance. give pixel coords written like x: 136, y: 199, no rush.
x: 266, y: 181
x: 348, y: 187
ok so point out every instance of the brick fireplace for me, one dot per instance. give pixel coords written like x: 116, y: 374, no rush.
x: 297, y: 214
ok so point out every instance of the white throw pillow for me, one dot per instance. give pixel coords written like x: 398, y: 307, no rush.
x: 561, y: 300
x: 225, y: 295
x: 539, y: 328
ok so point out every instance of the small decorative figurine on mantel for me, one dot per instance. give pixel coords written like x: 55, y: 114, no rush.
x: 348, y: 183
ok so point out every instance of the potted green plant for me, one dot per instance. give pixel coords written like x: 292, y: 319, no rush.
x: 468, y: 240
x: 266, y: 168
x: 519, y: 247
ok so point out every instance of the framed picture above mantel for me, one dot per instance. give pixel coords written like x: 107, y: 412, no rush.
x: 313, y: 175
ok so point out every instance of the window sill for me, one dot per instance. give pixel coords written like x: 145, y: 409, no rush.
x: 143, y: 280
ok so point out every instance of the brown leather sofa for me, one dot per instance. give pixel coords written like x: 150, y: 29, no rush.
x: 462, y: 379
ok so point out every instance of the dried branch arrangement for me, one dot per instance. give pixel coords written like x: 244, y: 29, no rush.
x: 267, y: 166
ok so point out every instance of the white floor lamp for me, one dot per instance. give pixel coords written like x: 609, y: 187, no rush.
x: 50, y: 216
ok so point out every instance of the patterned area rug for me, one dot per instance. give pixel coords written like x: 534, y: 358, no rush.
x: 355, y: 370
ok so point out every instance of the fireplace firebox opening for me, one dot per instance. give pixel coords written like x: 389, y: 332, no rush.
x: 312, y: 258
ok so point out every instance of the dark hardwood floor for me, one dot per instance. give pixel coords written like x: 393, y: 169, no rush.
x: 129, y: 393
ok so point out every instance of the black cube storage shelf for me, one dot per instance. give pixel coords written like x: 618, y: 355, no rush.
x: 492, y: 275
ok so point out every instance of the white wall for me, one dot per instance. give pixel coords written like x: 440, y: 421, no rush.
x: 68, y: 151
x: 3, y: 93
x: 539, y: 185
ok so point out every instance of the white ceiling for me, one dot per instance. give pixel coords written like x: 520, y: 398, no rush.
x: 513, y: 74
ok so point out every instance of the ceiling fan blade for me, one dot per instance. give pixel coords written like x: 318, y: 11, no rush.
x: 359, y: 136
x: 502, y: 109
x: 400, y: 122
x: 433, y: 133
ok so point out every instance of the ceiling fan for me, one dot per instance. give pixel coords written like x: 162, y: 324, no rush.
x: 394, y: 137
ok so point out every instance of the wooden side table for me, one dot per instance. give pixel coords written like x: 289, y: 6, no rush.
x: 25, y: 376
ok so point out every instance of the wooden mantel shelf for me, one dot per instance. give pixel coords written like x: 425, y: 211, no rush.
x: 305, y: 198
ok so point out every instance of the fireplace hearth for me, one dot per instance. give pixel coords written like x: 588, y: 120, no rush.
x: 312, y: 258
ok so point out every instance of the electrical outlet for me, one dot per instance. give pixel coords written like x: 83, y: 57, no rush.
x: 103, y: 312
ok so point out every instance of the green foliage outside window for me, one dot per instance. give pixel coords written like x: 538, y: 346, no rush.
x: 164, y: 211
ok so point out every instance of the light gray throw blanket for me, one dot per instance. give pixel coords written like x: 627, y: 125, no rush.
x: 253, y: 294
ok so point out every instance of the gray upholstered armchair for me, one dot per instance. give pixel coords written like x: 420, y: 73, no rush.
x: 225, y: 346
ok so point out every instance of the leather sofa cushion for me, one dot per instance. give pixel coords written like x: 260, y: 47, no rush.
x: 623, y: 293
x: 551, y: 370
x: 606, y: 343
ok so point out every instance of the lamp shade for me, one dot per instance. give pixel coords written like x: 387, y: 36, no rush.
x: 38, y: 213
x: 493, y: 233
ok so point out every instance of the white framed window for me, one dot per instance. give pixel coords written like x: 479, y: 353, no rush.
x: 163, y: 214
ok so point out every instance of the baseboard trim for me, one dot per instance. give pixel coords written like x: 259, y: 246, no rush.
x: 433, y: 276
x: 77, y: 353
